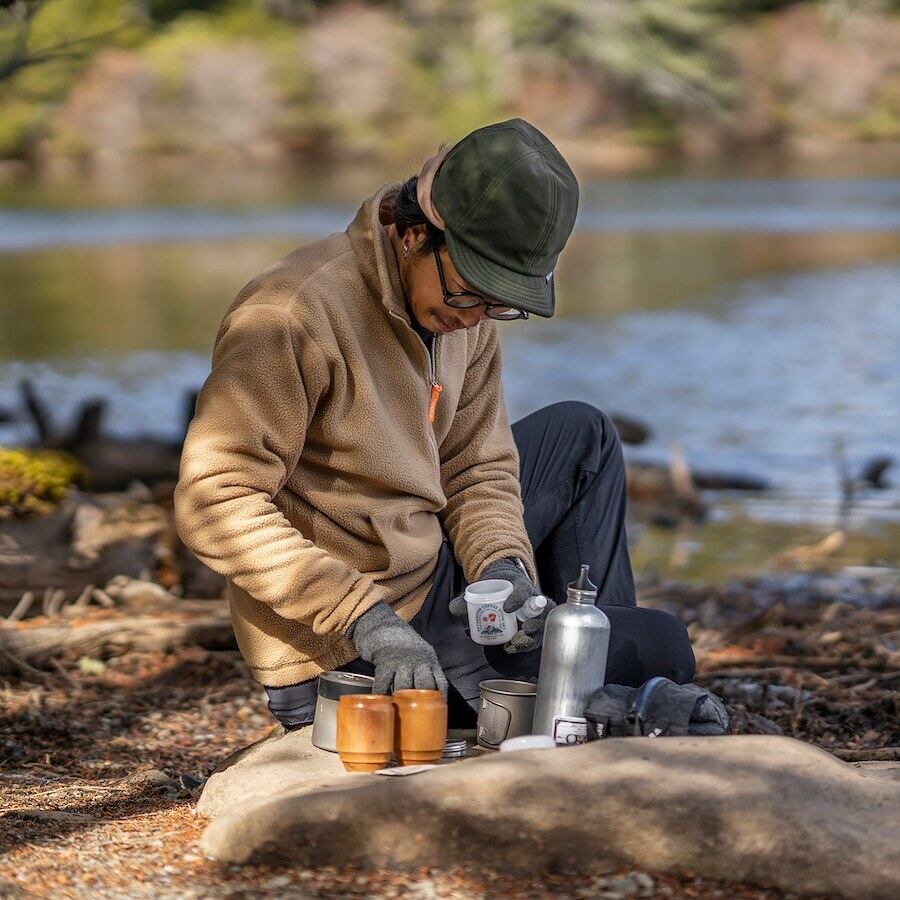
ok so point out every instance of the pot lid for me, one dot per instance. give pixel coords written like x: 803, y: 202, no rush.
x: 334, y: 685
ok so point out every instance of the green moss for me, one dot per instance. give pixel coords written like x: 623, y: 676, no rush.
x: 20, y: 125
x: 882, y: 123
x: 717, y: 551
x: 33, y: 481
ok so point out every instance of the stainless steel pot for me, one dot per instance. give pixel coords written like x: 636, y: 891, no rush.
x: 506, y: 710
x: 333, y: 686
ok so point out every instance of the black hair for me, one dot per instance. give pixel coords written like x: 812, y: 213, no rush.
x: 408, y: 213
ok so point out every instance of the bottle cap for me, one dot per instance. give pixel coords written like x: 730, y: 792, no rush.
x: 582, y: 590
x: 538, y: 602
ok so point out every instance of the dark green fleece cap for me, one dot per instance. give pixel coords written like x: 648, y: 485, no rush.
x: 508, y: 201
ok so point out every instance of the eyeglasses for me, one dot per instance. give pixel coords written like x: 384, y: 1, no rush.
x: 468, y: 300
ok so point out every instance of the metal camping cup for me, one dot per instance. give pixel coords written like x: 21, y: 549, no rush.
x: 506, y: 710
x: 333, y: 686
x: 488, y: 623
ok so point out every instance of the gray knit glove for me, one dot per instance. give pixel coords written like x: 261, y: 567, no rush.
x: 531, y: 631
x: 401, y: 658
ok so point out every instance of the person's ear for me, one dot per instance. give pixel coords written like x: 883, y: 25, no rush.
x: 415, y: 236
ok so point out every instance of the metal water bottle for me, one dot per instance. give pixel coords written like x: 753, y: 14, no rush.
x: 573, y: 663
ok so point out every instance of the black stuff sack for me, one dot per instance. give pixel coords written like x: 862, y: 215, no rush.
x: 657, y: 708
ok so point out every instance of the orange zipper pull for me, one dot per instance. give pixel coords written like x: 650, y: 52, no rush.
x: 432, y: 406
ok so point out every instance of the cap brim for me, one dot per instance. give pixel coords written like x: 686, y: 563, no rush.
x: 533, y: 293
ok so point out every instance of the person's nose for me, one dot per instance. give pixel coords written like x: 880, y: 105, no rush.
x: 472, y: 316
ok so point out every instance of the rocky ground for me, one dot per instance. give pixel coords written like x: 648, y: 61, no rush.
x: 101, y: 761
x: 812, y: 657
x: 100, y: 778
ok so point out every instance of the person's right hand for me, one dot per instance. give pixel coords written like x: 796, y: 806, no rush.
x: 531, y: 633
x: 402, y: 659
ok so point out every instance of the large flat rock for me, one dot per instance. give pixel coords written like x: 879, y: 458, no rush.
x: 281, y: 763
x: 767, y: 810
x: 284, y: 762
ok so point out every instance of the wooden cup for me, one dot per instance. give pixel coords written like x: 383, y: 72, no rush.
x: 365, y: 731
x: 421, y: 726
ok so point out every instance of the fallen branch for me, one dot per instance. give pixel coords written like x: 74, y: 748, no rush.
x: 683, y: 481
x: 631, y: 431
x: 880, y: 754
x: 728, y: 481
x: 755, y: 623
x: 810, y: 555
x: 756, y: 664
x: 112, y: 462
x: 781, y: 674
x: 30, y: 648
x: 11, y: 662
x: 21, y: 607
x: 873, y: 472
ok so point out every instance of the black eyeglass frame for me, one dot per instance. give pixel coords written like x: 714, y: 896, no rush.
x: 450, y: 296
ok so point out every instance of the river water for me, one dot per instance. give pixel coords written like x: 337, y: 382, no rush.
x: 755, y: 322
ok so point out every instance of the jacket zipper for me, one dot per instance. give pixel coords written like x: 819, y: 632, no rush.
x: 435, y: 387
x: 435, y: 394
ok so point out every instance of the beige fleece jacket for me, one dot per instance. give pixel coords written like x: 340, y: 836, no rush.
x: 311, y: 477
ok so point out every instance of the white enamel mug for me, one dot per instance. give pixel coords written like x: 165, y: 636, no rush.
x: 488, y: 623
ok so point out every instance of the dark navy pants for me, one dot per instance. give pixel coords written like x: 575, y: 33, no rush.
x: 573, y: 490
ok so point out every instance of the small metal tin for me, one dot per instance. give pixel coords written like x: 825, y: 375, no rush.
x: 333, y: 686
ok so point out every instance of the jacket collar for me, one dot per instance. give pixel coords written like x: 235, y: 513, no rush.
x: 374, y: 252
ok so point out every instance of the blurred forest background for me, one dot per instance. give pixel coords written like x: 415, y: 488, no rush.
x: 110, y: 82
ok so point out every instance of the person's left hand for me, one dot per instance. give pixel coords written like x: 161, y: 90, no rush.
x: 531, y: 631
